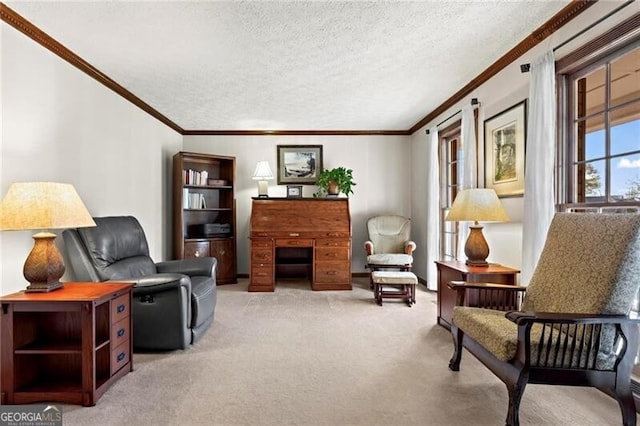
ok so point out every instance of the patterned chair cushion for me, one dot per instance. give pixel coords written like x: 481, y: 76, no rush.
x: 589, y: 264
x: 500, y: 337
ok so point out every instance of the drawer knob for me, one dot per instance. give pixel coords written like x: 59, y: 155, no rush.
x: 121, y: 356
x: 121, y: 309
x: 197, y: 253
x: 121, y: 332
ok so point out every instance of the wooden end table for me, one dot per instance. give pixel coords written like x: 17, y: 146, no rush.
x: 68, y: 345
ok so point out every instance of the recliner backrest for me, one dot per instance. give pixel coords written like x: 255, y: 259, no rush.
x: 389, y: 233
x: 590, y: 264
x: 117, y: 248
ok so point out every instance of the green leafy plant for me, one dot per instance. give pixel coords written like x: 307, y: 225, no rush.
x: 340, y: 177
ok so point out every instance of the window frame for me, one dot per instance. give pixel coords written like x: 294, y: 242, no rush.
x: 598, y: 52
x: 449, y: 176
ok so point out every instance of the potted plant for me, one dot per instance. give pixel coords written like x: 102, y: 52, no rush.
x: 334, y: 181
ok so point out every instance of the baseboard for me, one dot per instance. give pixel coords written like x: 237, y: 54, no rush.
x: 355, y: 275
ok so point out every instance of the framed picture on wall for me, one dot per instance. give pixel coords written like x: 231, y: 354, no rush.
x: 505, y: 136
x: 299, y: 164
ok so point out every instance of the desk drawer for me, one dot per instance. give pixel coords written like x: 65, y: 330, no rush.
x: 294, y: 242
x: 263, y: 243
x: 332, y: 242
x: 120, y: 308
x: 261, y: 274
x: 332, y: 272
x: 120, y: 332
x: 261, y: 255
x: 120, y: 356
x: 332, y: 253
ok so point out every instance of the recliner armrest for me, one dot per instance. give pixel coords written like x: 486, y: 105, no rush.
x: 156, y: 283
x: 198, y: 267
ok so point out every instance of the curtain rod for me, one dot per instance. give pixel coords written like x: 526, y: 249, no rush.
x: 474, y: 101
x: 527, y: 67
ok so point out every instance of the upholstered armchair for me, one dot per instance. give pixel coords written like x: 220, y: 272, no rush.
x: 173, y: 302
x: 574, y: 327
x: 389, y: 244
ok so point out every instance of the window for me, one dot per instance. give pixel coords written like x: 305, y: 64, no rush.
x: 603, y: 132
x: 449, y: 144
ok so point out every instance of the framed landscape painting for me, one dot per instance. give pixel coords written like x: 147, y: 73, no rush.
x: 299, y: 164
x: 504, y: 145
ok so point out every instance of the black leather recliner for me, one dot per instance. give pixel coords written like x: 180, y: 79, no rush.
x: 173, y: 301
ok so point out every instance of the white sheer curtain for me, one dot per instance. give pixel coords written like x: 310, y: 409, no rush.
x: 467, y: 170
x: 539, y: 167
x: 433, y: 208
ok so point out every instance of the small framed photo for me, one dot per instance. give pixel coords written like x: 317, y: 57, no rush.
x: 294, y: 191
x: 505, y: 136
x: 299, y: 164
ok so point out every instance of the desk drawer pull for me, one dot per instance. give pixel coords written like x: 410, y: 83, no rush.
x: 294, y: 234
x: 121, y: 356
x: 121, y: 308
x: 332, y: 273
x: 121, y: 332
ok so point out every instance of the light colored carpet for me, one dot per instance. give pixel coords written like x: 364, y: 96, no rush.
x: 299, y: 357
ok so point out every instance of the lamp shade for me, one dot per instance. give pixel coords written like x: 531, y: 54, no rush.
x: 263, y: 171
x: 477, y: 204
x: 43, y: 205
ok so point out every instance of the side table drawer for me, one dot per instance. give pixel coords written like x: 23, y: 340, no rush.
x: 120, y: 356
x: 120, y: 332
x: 120, y: 308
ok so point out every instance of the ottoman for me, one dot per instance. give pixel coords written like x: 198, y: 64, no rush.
x: 394, y: 285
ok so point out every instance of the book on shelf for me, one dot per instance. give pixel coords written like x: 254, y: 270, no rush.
x: 193, y: 200
x: 193, y: 177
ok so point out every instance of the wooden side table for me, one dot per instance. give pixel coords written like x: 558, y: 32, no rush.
x: 450, y: 270
x: 68, y: 345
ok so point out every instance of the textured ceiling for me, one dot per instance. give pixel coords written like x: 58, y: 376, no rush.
x: 325, y: 65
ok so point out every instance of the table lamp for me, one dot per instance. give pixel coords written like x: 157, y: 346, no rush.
x: 44, y: 206
x: 477, y: 204
x: 262, y: 174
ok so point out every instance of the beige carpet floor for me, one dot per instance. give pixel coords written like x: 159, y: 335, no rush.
x: 298, y: 357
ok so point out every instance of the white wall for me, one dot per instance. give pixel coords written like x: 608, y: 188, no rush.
x: 61, y: 125
x: 381, y: 170
x: 504, y: 90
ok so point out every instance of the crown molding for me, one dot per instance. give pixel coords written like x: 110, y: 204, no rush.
x: 295, y: 132
x: 12, y: 18
x: 557, y: 21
